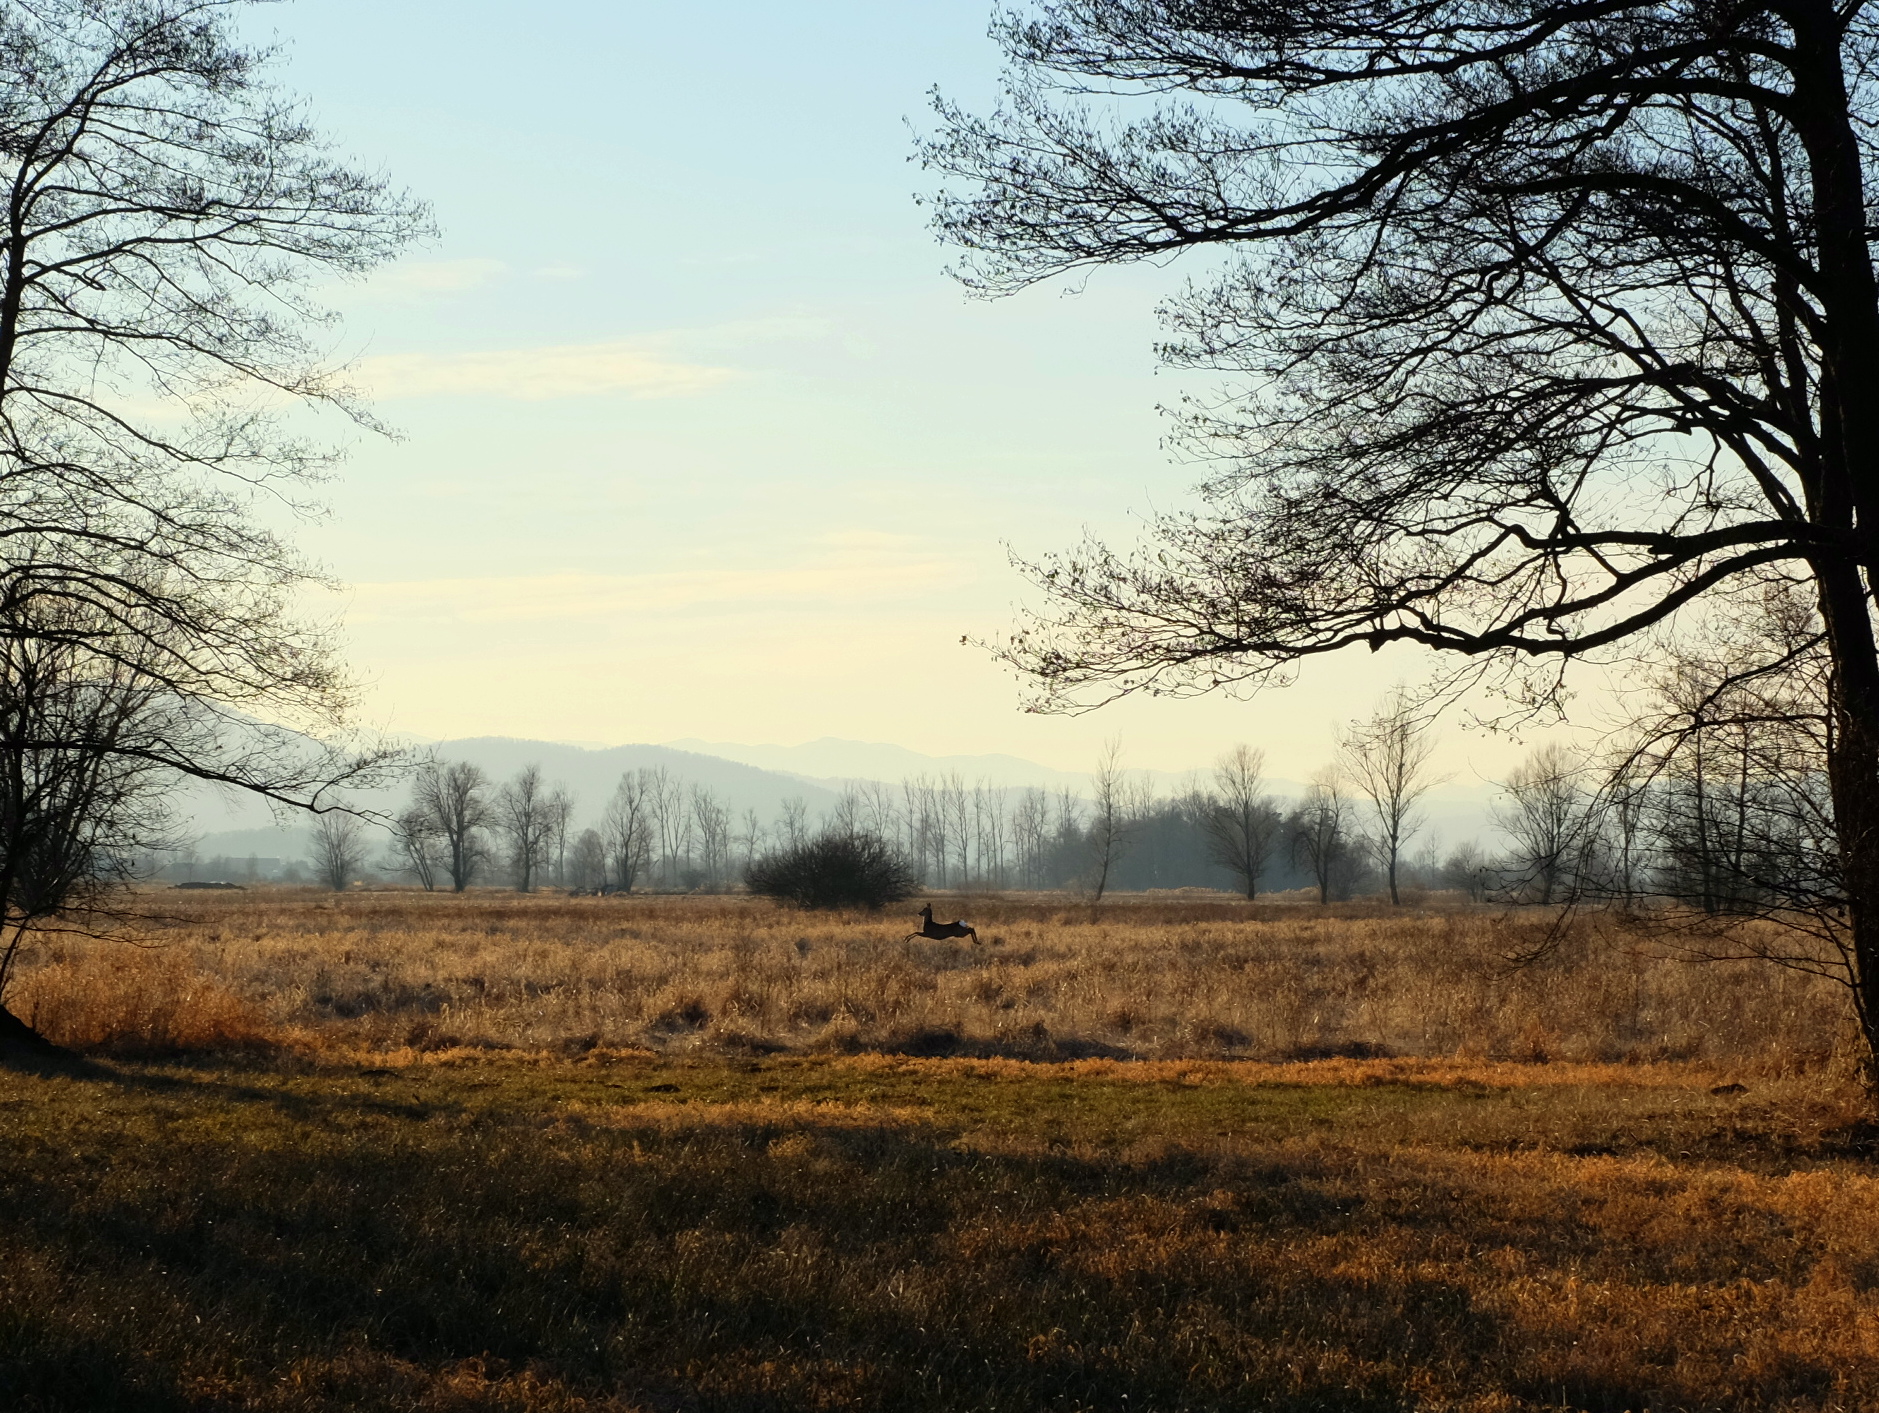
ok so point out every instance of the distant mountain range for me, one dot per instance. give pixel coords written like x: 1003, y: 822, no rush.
x: 833, y: 759
x: 239, y: 827
x: 742, y: 777
x: 1454, y: 811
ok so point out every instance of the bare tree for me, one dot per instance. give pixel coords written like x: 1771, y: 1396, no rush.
x: 793, y: 824
x: 711, y: 824
x: 846, y: 816
x: 417, y: 847
x: 913, y: 815
x: 454, y: 800
x: 338, y: 849
x: 1549, y: 819
x: 1723, y: 785
x: 85, y: 745
x: 523, y: 813
x: 168, y: 219
x: 93, y: 746
x: 936, y: 831
x: 1116, y: 807
x: 1030, y: 833
x: 1322, y: 837
x: 989, y: 833
x: 879, y: 811
x: 168, y: 224
x: 1387, y: 759
x: 750, y: 837
x: 1239, y: 817
x: 1556, y: 326
x: 1468, y: 869
x: 587, y: 861
x: 955, y: 807
x: 665, y: 797
x: 557, y: 816
x: 628, y: 828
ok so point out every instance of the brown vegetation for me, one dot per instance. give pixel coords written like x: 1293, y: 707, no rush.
x: 539, y: 1155
x: 459, y: 1232
x: 1198, y: 977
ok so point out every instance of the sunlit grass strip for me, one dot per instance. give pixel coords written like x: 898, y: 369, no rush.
x: 1155, y: 982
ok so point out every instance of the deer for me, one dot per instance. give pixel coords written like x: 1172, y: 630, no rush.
x: 941, y: 931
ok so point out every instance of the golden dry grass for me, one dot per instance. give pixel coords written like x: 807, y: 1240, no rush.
x: 642, y: 1232
x: 544, y: 1155
x: 1153, y: 979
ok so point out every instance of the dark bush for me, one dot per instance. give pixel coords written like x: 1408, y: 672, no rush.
x: 841, y: 869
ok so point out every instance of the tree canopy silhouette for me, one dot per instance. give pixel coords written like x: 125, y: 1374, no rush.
x: 167, y: 218
x: 1552, y: 324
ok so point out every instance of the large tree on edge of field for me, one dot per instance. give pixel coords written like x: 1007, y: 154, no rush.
x: 167, y: 218
x: 1554, y: 325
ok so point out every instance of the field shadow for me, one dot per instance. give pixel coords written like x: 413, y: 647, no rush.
x: 698, y: 1258
x: 1032, y: 1042
x: 49, y: 1063
x: 607, y: 1275
x: 51, y: 1366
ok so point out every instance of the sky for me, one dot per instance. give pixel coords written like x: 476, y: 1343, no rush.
x: 699, y: 438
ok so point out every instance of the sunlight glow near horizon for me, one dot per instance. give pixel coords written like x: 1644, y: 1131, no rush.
x: 700, y: 439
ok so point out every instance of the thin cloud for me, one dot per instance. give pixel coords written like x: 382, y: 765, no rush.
x: 539, y: 374
x: 840, y: 581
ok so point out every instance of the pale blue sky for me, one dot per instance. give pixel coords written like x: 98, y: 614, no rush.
x: 701, y: 440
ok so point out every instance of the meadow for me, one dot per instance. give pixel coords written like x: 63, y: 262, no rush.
x: 1143, y: 977
x: 399, y: 1151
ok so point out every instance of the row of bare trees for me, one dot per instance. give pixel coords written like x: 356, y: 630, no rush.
x: 660, y: 831
x: 1357, y: 815
x: 656, y: 831
x: 1717, y: 800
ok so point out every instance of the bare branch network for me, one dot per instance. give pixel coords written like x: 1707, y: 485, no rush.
x: 168, y: 217
x: 1549, y: 320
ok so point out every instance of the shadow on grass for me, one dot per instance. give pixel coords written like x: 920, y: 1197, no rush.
x: 49, y: 1062
x: 717, y: 1268
x: 252, y: 1248
x: 1033, y: 1042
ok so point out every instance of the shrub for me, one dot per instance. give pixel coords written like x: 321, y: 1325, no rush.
x: 840, y: 869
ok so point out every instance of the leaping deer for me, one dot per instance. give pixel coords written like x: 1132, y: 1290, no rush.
x: 941, y: 931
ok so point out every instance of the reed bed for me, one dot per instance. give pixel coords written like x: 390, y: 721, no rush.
x: 1142, y: 977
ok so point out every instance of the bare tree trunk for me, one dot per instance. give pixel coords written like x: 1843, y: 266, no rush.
x: 1854, y: 770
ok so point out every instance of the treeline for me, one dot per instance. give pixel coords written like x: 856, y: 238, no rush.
x: 658, y: 831
x: 1729, y: 816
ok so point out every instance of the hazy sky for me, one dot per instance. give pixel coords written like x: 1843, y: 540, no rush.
x: 700, y: 438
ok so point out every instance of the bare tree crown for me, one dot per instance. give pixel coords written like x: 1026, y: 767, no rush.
x: 1550, y: 320
x: 168, y: 218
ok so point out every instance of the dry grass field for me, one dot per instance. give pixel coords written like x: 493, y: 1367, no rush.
x: 398, y: 1152
x: 1150, y: 978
